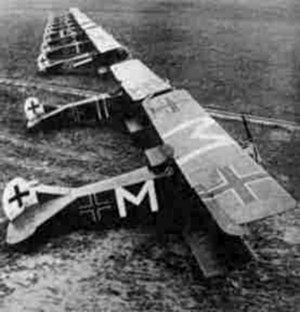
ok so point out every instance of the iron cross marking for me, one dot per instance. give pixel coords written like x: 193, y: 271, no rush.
x: 33, y: 107
x: 165, y: 105
x: 231, y: 181
x: 93, y: 207
x: 18, y: 196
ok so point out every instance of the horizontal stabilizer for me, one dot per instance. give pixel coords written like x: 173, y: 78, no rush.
x: 27, y: 223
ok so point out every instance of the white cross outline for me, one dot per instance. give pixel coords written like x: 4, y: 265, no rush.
x: 224, y: 182
x: 95, y: 206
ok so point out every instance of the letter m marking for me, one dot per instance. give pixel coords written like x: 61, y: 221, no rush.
x: 122, y: 195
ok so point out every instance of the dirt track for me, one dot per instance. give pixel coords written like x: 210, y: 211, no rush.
x: 236, y: 55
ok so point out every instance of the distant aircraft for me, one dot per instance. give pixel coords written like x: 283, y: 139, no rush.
x: 75, y: 42
x: 197, y: 175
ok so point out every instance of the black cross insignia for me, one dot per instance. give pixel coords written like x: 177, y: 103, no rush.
x: 18, y: 196
x: 165, y: 105
x: 233, y: 182
x: 33, y: 107
x: 93, y: 207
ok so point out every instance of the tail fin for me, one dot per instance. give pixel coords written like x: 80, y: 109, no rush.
x: 33, y: 109
x: 18, y: 195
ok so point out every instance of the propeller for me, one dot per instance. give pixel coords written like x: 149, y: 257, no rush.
x: 33, y: 108
x: 18, y: 195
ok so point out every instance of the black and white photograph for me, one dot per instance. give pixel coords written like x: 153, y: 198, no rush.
x: 150, y: 155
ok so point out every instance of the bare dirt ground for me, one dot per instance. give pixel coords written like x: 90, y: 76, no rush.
x: 238, y: 55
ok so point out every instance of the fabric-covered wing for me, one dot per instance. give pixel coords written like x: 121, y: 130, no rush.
x: 137, y: 80
x: 222, y: 174
x: 101, y: 39
x: 81, y: 19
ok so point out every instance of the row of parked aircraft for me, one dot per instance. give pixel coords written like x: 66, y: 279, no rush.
x: 75, y: 41
x: 197, y: 177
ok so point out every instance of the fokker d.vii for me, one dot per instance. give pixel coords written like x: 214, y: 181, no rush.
x: 74, y: 41
x: 197, y: 175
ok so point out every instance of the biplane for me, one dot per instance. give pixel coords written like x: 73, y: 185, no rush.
x: 74, y: 42
x: 196, y: 177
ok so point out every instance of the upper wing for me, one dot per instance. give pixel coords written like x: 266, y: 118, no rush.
x: 232, y: 185
x: 101, y: 39
x: 227, y: 180
x: 138, y: 80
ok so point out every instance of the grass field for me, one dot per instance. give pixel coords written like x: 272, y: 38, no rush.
x: 239, y: 55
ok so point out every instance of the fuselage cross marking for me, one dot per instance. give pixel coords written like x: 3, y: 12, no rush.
x: 94, y: 207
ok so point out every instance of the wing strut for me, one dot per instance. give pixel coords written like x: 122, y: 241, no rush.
x: 250, y: 147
